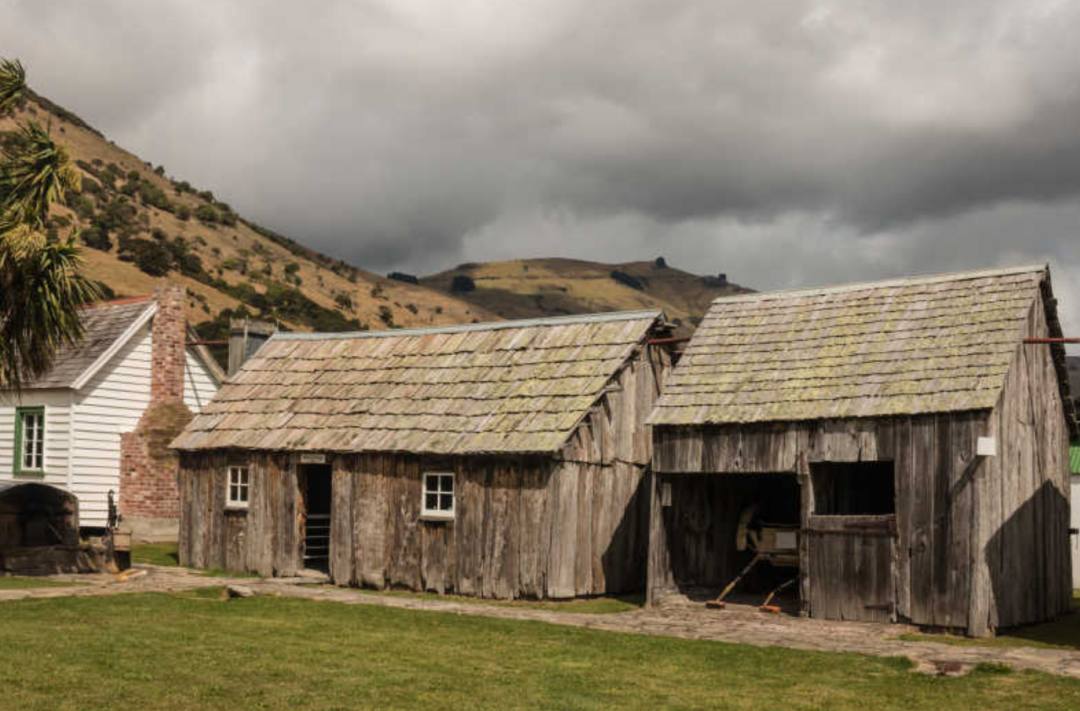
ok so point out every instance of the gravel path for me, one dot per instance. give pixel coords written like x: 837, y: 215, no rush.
x: 674, y: 617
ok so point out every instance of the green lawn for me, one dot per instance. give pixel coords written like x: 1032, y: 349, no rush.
x: 160, y: 651
x: 166, y: 554
x: 155, y: 554
x: 14, y: 582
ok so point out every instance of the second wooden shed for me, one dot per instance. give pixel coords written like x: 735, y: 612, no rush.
x: 906, y: 448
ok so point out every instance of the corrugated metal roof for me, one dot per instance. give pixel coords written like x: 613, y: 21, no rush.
x: 509, y: 387
x: 907, y: 346
x: 103, y: 324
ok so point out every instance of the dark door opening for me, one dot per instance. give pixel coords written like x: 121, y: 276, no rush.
x: 316, y: 489
x: 737, y: 530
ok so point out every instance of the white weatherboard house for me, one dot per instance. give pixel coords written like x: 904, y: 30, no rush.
x: 91, y: 424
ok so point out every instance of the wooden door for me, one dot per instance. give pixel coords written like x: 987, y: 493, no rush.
x: 852, y: 567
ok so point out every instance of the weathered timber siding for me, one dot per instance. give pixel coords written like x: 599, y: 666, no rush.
x: 535, y: 526
x: 1022, y: 568
x: 263, y: 539
x: 934, y: 462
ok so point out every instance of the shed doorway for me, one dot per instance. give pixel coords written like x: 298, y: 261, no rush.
x: 316, y: 492
x: 853, y: 541
x: 734, y: 532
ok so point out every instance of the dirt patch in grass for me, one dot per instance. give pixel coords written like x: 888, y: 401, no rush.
x: 22, y: 583
x: 591, y: 606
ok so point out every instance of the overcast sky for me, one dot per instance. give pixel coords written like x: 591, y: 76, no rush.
x: 784, y: 143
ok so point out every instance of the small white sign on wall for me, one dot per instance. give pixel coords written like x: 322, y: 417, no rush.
x: 986, y: 447
x: 312, y: 458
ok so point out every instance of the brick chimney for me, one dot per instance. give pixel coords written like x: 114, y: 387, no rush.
x: 169, y: 331
x: 149, y: 495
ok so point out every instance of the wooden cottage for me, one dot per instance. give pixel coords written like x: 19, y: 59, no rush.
x: 499, y: 460
x: 902, y: 448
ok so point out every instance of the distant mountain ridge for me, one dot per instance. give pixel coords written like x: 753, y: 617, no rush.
x: 530, y: 288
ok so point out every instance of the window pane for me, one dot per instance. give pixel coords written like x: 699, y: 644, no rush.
x: 244, y: 476
x: 446, y: 502
x: 243, y: 494
x: 431, y: 501
x: 447, y: 483
x: 232, y: 493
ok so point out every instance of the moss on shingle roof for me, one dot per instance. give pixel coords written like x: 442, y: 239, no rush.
x: 906, y: 346
x: 508, y: 387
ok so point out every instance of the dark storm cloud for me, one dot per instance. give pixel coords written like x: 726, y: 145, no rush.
x: 789, y: 142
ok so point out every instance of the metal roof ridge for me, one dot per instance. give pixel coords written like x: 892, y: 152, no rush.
x: 881, y: 284
x: 473, y: 327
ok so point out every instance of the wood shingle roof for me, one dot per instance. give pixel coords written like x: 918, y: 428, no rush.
x: 508, y: 387
x: 901, y: 347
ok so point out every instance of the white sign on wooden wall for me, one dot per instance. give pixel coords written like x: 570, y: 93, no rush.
x: 312, y: 458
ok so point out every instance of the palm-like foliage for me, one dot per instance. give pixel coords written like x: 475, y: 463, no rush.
x: 41, y: 288
x: 34, y: 173
x: 40, y: 292
x: 12, y: 83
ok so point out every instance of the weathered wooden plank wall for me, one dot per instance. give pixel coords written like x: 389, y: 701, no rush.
x: 934, y: 466
x: 1021, y: 563
x: 263, y: 539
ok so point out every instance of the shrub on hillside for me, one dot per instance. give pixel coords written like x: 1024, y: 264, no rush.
x: 154, y: 196
x: 461, y: 284
x: 344, y: 301
x: 89, y: 185
x: 206, y: 214
x: 83, y: 207
x: 628, y: 280
x: 96, y: 238
x: 400, y: 276
x: 149, y: 256
x: 183, y: 213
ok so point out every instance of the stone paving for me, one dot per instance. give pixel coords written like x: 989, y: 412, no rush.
x: 674, y: 617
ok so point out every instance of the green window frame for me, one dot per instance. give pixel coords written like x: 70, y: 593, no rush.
x: 29, y: 441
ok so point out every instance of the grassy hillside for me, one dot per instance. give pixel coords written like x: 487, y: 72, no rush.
x: 550, y: 287
x: 140, y: 227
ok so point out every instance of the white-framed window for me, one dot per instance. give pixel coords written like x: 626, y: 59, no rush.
x: 239, y: 491
x: 438, y: 501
